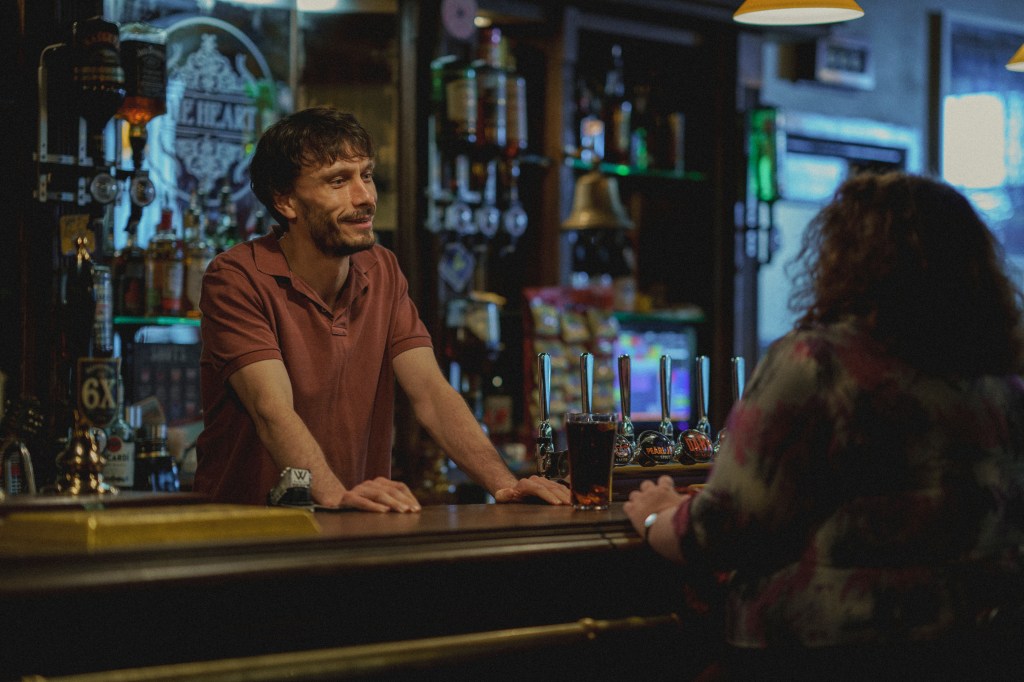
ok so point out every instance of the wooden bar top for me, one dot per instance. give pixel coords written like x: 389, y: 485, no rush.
x: 363, y: 578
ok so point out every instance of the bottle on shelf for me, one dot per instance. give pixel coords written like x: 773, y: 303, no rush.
x: 455, y: 104
x: 198, y: 253
x: 119, y: 454
x: 639, y: 141
x: 226, y: 233
x: 129, y: 269
x: 592, y: 128
x: 455, y: 95
x: 517, y: 138
x: 165, y: 270
x: 491, y: 69
x: 617, y: 111
x: 144, y: 58
x: 98, y: 77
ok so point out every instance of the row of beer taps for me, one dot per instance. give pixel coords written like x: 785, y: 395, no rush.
x: 650, y: 448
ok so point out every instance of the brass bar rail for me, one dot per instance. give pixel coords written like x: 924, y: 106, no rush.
x: 353, y: 662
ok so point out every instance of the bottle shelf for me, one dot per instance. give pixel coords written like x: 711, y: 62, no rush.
x: 623, y: 170
x: 159, y: 321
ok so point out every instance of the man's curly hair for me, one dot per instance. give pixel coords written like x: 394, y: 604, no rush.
x: 910, y: 258
x: 313, y: 137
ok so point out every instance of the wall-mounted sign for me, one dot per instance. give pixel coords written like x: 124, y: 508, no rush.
x: 220, y: 97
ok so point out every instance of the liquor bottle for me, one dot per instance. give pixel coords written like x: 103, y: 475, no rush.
x: 517, y: 137
x: 617, y: 111
x: 640, y: 137
x: 226, y: 234
x: 165, y: 270
x: 592, y: 128
x: 119, y: 455
x: 155, y: 468
x: 492, y: 93
x: 144, y: 59
x: 98, y: 77
x: 130, y: 276
x: 455, y: 95
x: 198, y: 253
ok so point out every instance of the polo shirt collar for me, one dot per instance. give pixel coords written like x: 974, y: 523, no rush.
x: 270, y: 259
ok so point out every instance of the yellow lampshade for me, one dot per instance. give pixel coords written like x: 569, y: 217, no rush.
x: 1016, y: 62
x: 797, y: 12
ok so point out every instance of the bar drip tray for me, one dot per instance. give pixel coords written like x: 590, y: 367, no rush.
x: 130, y: 528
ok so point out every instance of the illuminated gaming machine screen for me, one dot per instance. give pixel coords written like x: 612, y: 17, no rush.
x: 645, y: 341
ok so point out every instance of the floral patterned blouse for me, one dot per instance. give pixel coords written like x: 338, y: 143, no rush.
x: 857, y: 500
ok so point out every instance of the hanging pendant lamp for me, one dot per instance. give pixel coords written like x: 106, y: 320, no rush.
x: 797, y: 12
x: 1016, y: 62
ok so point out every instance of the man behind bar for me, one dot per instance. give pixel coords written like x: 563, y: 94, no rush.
x: 305, y: 330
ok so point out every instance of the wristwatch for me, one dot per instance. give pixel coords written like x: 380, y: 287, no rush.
x: 648, y: 522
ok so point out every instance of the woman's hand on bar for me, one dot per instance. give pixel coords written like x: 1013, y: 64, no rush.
x: 663, y: 499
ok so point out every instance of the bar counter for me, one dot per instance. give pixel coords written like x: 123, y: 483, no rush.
x: 458, y: 589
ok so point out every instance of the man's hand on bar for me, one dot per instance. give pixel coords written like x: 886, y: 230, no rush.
x: 542, y: 488
x: 380, y: 495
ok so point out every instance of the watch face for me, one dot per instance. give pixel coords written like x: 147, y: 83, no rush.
x: 457, y: 17
x: 651, y: 518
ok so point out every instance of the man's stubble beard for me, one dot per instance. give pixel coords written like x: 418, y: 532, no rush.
x: 327, y: 237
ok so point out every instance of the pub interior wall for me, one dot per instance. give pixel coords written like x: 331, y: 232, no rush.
x: 898, y: 33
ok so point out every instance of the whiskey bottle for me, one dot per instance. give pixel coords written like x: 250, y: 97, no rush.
x: 119, y: 455
x: 198, y: 253
x: 165, y: 270
x: 144, y: 59
x: 98, y: 77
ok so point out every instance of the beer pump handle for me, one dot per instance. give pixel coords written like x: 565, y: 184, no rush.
x: 544, y: 384
x: 665, y: 376
x: 703, y: 389
x: 625, y: 386
x: 739, y: 374
x: 546, y: 464
x: 587, y: 380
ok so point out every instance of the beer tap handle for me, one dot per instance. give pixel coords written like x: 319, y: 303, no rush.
x: 665, y: 376
x: 739, y: 375
x: 587, y: 380
x: 703, y: 386
x: 545, y: 434
x: 625, y: 386
x: 544, y: 378
x: 625, y: 435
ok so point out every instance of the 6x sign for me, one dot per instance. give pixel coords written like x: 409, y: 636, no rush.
x: 97, y: 389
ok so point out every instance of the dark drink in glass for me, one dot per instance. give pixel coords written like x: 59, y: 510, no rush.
x: 591, y: 438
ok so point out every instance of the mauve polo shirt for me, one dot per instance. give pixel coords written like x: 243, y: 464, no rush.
x: 338, y: 359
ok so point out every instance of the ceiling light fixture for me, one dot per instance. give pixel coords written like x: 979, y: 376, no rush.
x: 797, y: 12
x: 1016, y: 62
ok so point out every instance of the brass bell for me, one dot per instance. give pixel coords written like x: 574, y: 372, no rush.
x: 596, y: 204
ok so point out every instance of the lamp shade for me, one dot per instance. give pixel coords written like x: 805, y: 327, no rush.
x: 797, y: 12
x: 1016, y: 62
x: 596, y: 204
